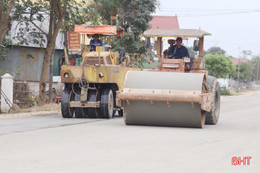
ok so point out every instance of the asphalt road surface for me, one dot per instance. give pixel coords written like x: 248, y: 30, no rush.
x: 44, y: 144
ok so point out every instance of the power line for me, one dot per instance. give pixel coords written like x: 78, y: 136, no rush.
x: 214, y: 12
x: 203, y: 9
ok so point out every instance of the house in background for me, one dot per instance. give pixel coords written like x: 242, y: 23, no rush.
x: 230, y: 83
x: 24, y: 61
x: 236, y: 61
x: 164, y: 22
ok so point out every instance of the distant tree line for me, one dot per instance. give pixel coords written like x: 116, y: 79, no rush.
x: 220, y: 65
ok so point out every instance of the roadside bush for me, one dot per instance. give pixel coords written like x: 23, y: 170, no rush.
x: 219, y: 66
x: 225, y: 92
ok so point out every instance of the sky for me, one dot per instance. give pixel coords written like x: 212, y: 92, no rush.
x: 234, y: 24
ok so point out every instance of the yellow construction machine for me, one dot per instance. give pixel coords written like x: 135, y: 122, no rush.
x: 180, y: 93
x: 90, y: 89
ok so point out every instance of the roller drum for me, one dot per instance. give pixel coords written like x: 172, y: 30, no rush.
x: 162, y: 113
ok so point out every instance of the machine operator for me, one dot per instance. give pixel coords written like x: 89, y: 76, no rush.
x: 178, y: 51
x: 95, y: 42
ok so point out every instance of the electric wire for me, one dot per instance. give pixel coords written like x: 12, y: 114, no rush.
x: 206, y: 12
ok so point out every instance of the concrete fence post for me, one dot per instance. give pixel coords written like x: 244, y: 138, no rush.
x: 7, y: 89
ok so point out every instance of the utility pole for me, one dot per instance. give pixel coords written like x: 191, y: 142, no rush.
x: 257, y: 69
x: 238, y: 69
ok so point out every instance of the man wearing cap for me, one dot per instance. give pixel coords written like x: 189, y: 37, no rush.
x: 178, y: 51
x: 171, y: 43
x: 95, y: 42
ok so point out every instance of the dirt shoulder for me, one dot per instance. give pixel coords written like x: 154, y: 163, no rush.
x: 47, y: 109
x: 248, y: 92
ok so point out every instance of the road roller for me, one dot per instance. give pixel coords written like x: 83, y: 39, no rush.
x: 90, y: 88
x: 180, y: 93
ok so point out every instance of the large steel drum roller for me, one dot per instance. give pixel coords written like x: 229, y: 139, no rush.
x: 165, y: 99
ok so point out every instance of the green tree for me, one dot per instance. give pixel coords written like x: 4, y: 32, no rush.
x: 219, y: 66
x: 60, y: 15
x: 215, y: 50
x: 133, y: 16
x: 105, y: 9
x: 245, y: 72
x: 6, y: 7
x: 4, y: 48
x: 246, y: 53
x: 256, y: 67
x: 6, y: 16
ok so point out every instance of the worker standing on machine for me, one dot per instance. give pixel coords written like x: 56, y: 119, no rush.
x: 178, y: 51
x: 95, y: 42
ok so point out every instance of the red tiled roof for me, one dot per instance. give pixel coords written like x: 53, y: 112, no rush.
x: 164, y: 22
x: 235, y: 61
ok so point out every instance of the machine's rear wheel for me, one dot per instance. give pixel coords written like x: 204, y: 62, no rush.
x: 121, y: 113
x: 92, y: 112
x: 107, y: 103
x: 67, y: 96
x: 213, y: 116
x: 79, y: 111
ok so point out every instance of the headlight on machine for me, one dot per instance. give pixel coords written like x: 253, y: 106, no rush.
x: 100, y: 75
x: 66, y: 75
